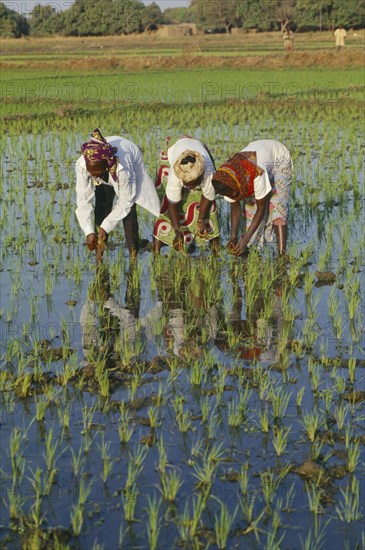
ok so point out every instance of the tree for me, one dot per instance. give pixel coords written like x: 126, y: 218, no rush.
x: 284, y: 13
x: 151, y: 16
x: 44, y: 20
x: 349, y: 13
x: 178, y: 15
x: 12, y: 24
x: 214, y: 13
x: 103, y: 17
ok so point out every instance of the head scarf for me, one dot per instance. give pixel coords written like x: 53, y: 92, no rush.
x: 98, y: 149
x: 235, y: 178
x: 189, y: 166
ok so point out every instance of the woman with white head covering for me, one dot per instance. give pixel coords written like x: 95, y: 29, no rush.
x: 188, y: 210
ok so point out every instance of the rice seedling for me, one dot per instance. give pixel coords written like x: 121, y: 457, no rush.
x: 247, y: 506
x: 280, y: 439
x: 63, y: 412
x: 170, y: 484
x: 340, y: 384
x: 314, y: 493
x: 16, y: 456
x: 273, y: 542
x: 182, y: 417
x: 15, y: 503
x: 153, y: 521
x: 348, y: 509
x: 340, y: 413
x: 160, y: 398
x: 309, y: 280
x: 78, y: 461
x: 234, y: 415
x: 280, y: 399
x: 197, y: 373
x: 312, y: 422
x: 135, y: 466
x: 125, y: 431
x: 107, y: 460
x: 315, y: 538
x: 220, y: 382
x: 353, y: 299
x: 129, y: 498
x: 51, y: 450
x: 315, y: 376
x: 41, y: 405
x: 352, y: 368
x: 77, y: 519
x: 205, y: 472
x: 87, y: 418
x: 223, y: 524
x: 206, y: 409
x: 264, y: 421
x: 300, y: 395
x: 328, y: 395
x: 153, y: 416
x: 243, y: 479
x: 187, y: 523
x: 36, y: 509
x: 23, y: 385
x: 162, y: 456
x: 204, y: 475
x: 270, y: 484
x: 353, y: 451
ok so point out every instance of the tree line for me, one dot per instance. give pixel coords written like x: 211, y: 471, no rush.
x: 115, y: 17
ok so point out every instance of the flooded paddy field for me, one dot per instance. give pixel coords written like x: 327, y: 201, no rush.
x: 184, y: 401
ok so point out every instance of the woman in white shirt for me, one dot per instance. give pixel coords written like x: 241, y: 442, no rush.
x: 261, y: 175
x: 111, y: 168
x: 188, y: 209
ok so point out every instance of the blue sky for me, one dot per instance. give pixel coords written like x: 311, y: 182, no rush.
x: 25, y: 6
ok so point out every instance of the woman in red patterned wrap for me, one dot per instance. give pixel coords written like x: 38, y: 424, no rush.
x: 261, y: 175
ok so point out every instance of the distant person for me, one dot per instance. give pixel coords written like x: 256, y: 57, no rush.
x: 340, y: 34
x: 111, y: 168
x: 188, y: 210
x: 288, y: 37
x: 260, y: 175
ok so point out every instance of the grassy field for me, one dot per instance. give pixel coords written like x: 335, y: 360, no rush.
x: 153, y: 45
x: 185, y: 401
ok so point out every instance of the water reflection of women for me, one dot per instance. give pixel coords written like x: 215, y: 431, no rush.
x: 191, y: 312
x: 255, y: 335
x: 104, y: 320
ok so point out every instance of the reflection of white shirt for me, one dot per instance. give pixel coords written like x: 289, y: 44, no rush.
x: 133, y: 185
x: 174, y: 185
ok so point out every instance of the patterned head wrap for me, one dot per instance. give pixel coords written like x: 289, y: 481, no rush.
x: 189, y: 166
x: 235, y: 178
x: 98, y: 149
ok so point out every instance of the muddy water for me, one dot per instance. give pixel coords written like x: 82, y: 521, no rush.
x: 185, y: 337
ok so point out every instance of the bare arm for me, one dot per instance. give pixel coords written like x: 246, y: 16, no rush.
x: 173, y: 210
x: 235, y: 219
x: 245, y: 239
x: 204, y: 210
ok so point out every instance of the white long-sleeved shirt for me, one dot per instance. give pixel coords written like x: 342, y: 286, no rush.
x: 174, y: 185
x: 133, y: 185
